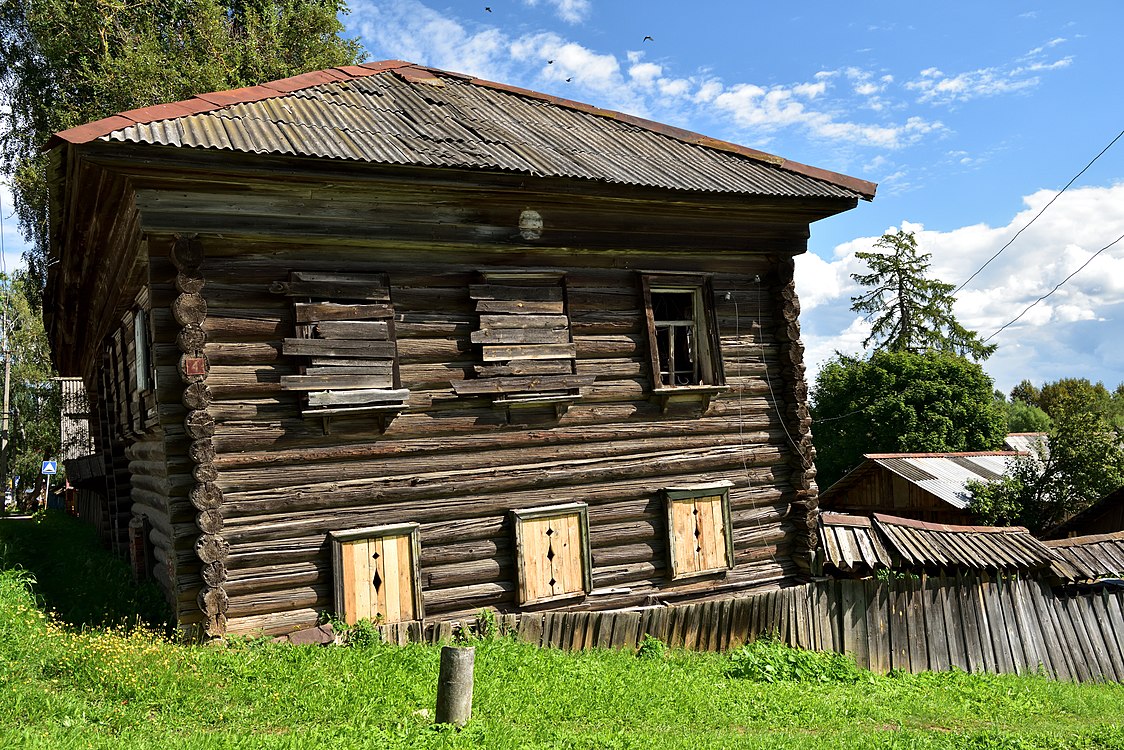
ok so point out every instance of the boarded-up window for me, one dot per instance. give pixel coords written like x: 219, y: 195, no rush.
x: 130, y: 379
x: 683, y: 350
x: 345, y: 338
x: 376, y: 574
x: 552, y: 552
x: 527, y: 355
x: 698, y: 523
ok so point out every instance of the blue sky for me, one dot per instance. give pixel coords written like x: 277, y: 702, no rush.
x: 970, y: 116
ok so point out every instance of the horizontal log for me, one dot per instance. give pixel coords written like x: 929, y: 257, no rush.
x: 521, y: 384
x: 516, y: 322
x: 515, y: 293
x: 332, y: 290
x: 525, y: 367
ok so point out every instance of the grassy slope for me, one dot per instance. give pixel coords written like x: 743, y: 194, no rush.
x: 104, y: 688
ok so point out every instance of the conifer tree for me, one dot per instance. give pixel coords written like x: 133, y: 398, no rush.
x: 908, y: 311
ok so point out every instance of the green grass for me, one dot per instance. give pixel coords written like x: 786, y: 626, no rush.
x: 114, y: 687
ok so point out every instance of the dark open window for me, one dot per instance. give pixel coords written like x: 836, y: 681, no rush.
x: 683, y: 345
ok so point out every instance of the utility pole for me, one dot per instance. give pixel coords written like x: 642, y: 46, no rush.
x: 4, y: 416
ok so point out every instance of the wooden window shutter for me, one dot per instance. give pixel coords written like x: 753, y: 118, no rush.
x: 552, y: 553
x: 527, y: 352
x: 376, y: 574
x: 700, y: 536
x: 345, y: 335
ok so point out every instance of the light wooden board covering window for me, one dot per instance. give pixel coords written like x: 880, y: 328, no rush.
x: 526, y: 350
x: 698, y: 522
x: 376, y: 574
x: 552, y: 552
x: 345, y: 335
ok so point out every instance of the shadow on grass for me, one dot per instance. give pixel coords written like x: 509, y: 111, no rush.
x: 77, y: 578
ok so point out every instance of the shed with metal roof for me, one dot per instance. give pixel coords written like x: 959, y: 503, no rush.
x: 924, y: 486
x: 400, y: 343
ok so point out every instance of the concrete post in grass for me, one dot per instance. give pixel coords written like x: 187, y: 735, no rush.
x: 454, y: 685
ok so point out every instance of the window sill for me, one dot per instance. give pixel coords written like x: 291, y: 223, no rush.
x: 688, y: 395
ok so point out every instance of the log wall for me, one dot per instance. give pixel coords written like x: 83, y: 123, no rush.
x: 247, y: 490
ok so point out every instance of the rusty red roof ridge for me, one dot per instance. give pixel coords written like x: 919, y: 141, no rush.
x: 414, y: 74
x: 961, y: 454
x: 930, y: 526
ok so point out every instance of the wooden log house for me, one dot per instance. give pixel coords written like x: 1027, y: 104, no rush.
x: 398, y: 343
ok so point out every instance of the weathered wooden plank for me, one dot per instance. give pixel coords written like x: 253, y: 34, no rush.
x: 531, y: 628
x: 367, y: 330
x: 1042, y: 600
x: 501, y: 353
x: 519, y: 306
x: 899, y: 624
x: 996, y: 627
x: 523, y: 322
x: 351, y: 349
x: 918, y: 635
x: 333, y: 289
x: 1101, y: 619
x: 491, y: 336
x: 366, y: 396
x: 336, y: 381
x: 877, y: 622
x: 854, y: 619
x: 521, y: 384
x: 314, y: 312
x: 931, y: 592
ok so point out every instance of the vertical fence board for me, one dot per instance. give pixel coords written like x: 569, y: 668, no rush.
x: 1089, y: 634
x: 739, y: 632
x: 899, y: 630
x: 1115, y: 618
x: 1074, y: 641
x: 983, y: 657
x: 915, y: 621
x: 1033, y: 644
x: 1108, y: 639
x: 953, y: 624
x: 989, y: 597
x: 1010, y: 629
x: 1046, y: 606
x: 877, y: 623
x: 934, y: 624
x: 853, y: 606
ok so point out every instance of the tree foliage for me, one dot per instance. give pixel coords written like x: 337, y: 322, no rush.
x: 67, y: 62
x: 901, y: 401
x: 908, y: 311
x: 34, y: 402
x: 1084, y: 461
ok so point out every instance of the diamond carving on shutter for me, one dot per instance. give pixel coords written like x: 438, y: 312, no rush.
x: 698, y: 522
x: 376, y: 574
x: 552, y: 552
x: 345, y: 335
x: 527, y: 353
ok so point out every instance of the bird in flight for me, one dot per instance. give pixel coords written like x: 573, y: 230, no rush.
x: 569, y: 79
x: 549, y: 62
x: 488, y: 8
x: 649, y: 39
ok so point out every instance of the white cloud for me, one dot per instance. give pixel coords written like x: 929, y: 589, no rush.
x: 411, y: 30
x: 937, y: 87
x: 572, y: 11
x: 1059, y: 336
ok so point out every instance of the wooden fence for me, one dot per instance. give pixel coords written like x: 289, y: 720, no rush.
x: 976, y: 624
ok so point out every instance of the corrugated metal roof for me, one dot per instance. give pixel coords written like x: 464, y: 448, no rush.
x: 947, y: 475
x: 932, y: 545
x: 851, y: 545
x: 1089, y: 557
x: 398, y: 113
x: 1026, y: 442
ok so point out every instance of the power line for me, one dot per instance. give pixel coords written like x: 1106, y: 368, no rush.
x: 1056, y: 196
x: 1056, y: 288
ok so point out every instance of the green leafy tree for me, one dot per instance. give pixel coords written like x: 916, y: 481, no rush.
x: 33, y: 427
x: 1022, y: 417
x: 901, y: 401
x: 1083, y: 461
x: 908, y: 311
x: 67, y: 62
x: 1027, y: 392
